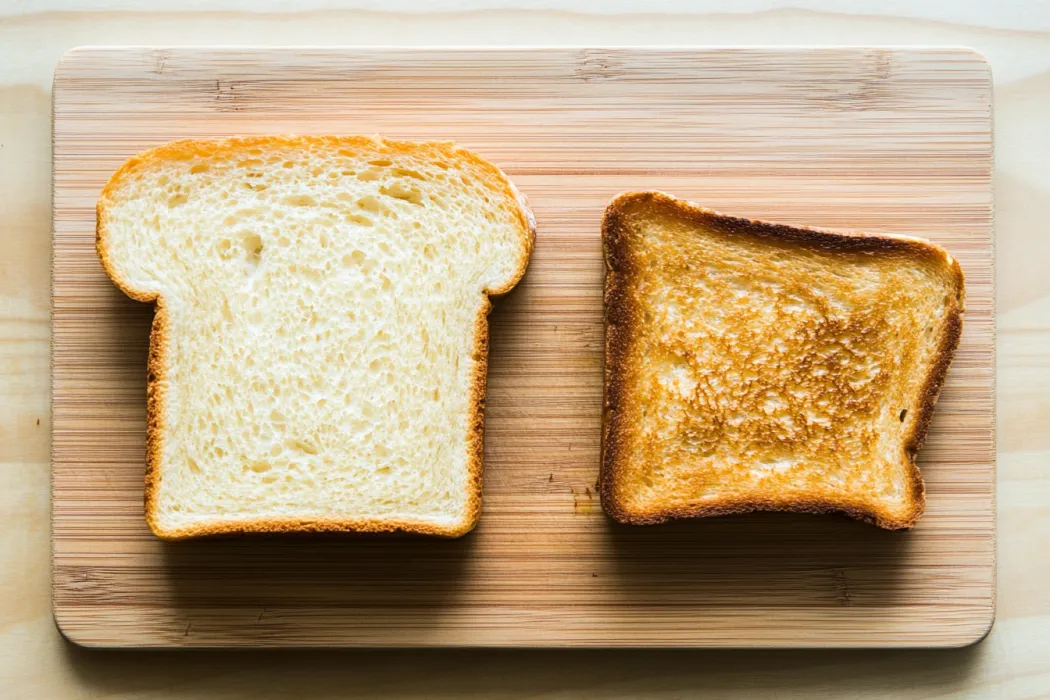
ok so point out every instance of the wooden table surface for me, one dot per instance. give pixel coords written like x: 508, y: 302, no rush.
x: 1013, y: 662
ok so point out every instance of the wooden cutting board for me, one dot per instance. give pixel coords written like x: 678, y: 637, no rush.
x: 872, y: 139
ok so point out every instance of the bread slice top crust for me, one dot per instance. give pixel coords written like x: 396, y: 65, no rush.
x: 319, y: 349
x: 755, y: 366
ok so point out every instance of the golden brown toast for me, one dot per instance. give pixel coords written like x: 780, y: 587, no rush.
x: 754, y: 366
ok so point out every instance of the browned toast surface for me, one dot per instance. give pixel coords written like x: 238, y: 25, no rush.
x: 754, y: 366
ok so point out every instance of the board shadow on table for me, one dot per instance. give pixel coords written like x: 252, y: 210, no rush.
x: 452, y: 673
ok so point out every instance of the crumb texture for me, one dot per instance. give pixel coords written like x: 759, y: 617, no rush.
x: 752, y: 366
x: 322, y: 355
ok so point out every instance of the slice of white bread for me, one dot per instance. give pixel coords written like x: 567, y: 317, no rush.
x: 319, y: 348
x: 755, y: 366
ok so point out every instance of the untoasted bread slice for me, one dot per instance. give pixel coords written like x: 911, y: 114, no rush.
x: 753, y: 366
x: 320, y: 343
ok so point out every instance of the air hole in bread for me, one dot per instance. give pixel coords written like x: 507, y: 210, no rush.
x: 359, y: 219
x: 369, y: 204
x: 299, y: 200
x: 414, y: 174
x: 200, y: 168
x: 304, y: 446
x: 354, y: 258
x: 402, y: 192
x: 253, y: 247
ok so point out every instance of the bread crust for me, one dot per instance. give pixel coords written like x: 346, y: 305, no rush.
x: 621, y: 319
x: 156, y: 378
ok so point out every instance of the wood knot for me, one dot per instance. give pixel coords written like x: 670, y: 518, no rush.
x: 842, y: 587
x: 597, y: 65
x: 226, y: 96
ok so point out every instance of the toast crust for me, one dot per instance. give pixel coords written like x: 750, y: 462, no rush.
x: 621, y: 319
x: 156, y: 378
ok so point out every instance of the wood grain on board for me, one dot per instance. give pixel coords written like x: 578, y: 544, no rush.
x: 872, y: 139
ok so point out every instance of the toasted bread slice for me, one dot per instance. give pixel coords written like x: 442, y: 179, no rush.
x: 753, y: 366
x: 320, y: 343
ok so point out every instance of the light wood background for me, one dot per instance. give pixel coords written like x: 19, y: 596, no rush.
x: 873, y: 139
x: 1013, y: 662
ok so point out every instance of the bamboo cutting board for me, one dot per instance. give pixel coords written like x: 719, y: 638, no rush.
x: 872, y: 139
